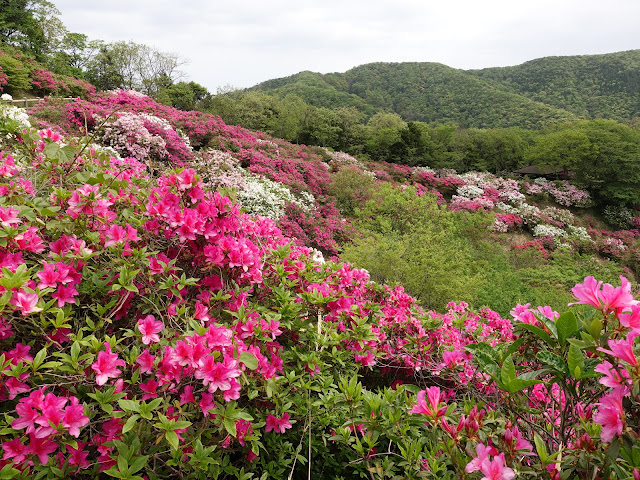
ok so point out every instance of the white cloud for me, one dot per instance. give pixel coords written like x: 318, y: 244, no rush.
x: 244, y: 42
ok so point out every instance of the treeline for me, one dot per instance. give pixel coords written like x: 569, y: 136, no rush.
x: 33, y: 35
x: 602, y: 155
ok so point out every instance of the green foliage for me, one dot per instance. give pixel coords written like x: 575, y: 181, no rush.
x: 185, y: 96
x: 351, y: 188
x: 590, y: 86
x: 412, y: 241
x: 17, y: 74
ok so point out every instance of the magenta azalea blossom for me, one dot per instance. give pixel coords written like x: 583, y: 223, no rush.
x: 610, y: 413
x: 105, y: 365
x: 149, y: 328
x: 277, y: 424
x: 26, y: 302
x: 623, y: 349
x: 495, y: 469
x: 587, y: 292
x: 431, y: 406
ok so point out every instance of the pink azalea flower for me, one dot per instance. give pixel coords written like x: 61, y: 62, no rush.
x: 105, y: 365
x: 588, y: 292
x: 14, y: 450
x: 483, y: 454
x: 9, y: 217
x: 145, y: 360
x: 149, y: 328
x: 631, y: 320
x: 207, y: 404
x: 26, y: 302
x: 523, y: 314
x: 610, y: 414
x: 277, y: 424
x: 65, y: 295
x: 41, y: 447
x: 431, y: 406
x: 613, y: 377
x: 74, y: 417
x: 77, y: 456
x: 218, y: 375
x: 623, y: 349
x: 619, y: 298
x: 548, y: 312
x: 495, y: 469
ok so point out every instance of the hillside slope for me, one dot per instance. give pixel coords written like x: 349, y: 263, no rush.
x: 530, y: 95
x: 590, y: 86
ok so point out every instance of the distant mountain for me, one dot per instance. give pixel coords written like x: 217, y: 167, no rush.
x: 590, y: 86
x: 530, y: 95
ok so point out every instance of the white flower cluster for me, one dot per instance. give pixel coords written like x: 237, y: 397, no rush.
x: 512, y: 196
x: 424, y: 170
x: 306, y: 201
x: 6, y: 97
x: 579, y: 233
x: 9, y: 112
x: 558, y: 214
x: 540, y: 181
x: 548, y: 231
x: 267, y: 142
x: 316, y: 256
x: 132, y: 93
x: 529, y: 213
x: 261, y: 196
x: 110, y: 151
x: 488, y: 180
x: 470, y: 191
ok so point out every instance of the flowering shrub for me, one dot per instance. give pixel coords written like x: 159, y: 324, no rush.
x: 261, y: 196
x: 542, y: 230
x: 506, y: 222
x: 562, y: 192
x: 470, y: 191
x: 4, y: 80
x: 149, y: 327
x: 619, y: 216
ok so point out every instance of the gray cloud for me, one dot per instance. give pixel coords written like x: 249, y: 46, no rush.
x: 244, y: 42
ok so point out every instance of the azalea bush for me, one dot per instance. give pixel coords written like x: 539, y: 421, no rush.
x: 151, y: 328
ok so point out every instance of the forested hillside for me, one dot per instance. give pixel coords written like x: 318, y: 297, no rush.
x: 590, y: 86
x: 530, y: 95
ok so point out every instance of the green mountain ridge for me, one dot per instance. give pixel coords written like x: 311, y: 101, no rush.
x: 531, y: 95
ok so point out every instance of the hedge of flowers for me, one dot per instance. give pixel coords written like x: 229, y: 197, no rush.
x: 151, y: 329
x: 189, y: 138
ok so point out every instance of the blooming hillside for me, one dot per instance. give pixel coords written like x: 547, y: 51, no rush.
x: 151, y: 328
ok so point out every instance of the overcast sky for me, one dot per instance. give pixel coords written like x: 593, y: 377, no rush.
x: 244, y: 42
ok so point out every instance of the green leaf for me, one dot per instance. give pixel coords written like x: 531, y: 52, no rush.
x: 485, y: 348
x: 554, y: 361
x: 40, y: 356
x: 541, y: 448
x: 575, y: 359
x: 9, y: 473
x: 567, y: 326
x: 513, y: 348
x: 230, y: 426
x: 538, y: 332
x: 138, y: 463
x: 129, y: 405
x: 249, y: 359
x: 508, y: 371
x: 172, y: 439
x: 519, y: 384
x: 130, y: 423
